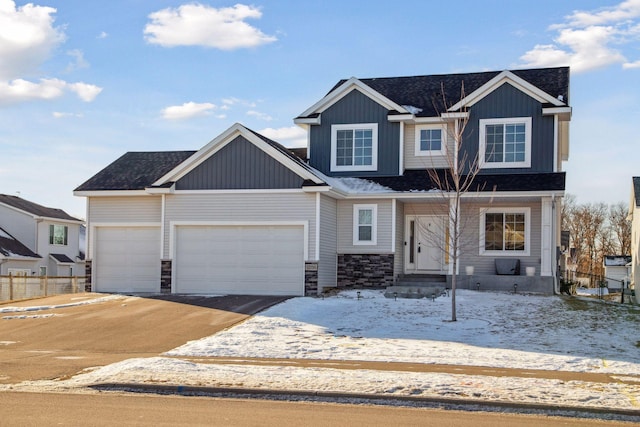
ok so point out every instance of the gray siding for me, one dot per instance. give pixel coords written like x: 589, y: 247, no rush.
x: 411, y: 161
x: 124, y: 209
x: 20, y: 225
x: 238, y: 207
x: 504, y: 102
x: 328, y: 260
x: 239, y: 165
x: 398, y: 262
x: 345, y: 228
x: 485, y: 264
x: 356, y: 108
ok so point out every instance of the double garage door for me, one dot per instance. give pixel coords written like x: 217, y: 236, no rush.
x: 216, y: 259
x: 252, y: 260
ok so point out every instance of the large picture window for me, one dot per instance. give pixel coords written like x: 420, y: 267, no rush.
x: 354, y: 147
x: 505, y: 231
x: 505, y: 143
x: 58, y: 234
x: 365, y: 224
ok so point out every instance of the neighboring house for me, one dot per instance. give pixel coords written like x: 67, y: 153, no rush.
x: 616, y: 270
x: 634, y: 217
x: 245, y: 215
x: 50, y: 237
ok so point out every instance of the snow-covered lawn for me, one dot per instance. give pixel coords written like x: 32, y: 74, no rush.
x: 493, y: 329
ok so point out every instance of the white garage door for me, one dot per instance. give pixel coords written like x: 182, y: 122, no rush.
x: 127, y: 259
x: 249, y: 260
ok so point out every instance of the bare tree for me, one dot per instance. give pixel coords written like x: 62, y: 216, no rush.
x: 454, y: 181
x: 620, y: 228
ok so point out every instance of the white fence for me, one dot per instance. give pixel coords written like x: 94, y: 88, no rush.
x: 24, y: 287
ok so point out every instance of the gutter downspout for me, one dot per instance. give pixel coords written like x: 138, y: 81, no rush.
x: 554, y: 254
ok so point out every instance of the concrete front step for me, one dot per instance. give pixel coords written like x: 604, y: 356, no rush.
x: 420, y: 291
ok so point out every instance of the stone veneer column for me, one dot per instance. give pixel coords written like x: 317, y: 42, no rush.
x: 310, y: 278
x: 87, y: 275
x: 165, y: 276
x: 365, y: 270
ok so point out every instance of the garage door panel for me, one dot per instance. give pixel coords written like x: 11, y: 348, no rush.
x: 239, y: 259
x: 127, y: 259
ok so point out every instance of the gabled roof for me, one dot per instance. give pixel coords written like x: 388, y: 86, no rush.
x: 424, y: 96
x: 135, y: 171
x: 10, y: 247
x: 161, y: 169
x: 61, y: 259
x: 35, y: 209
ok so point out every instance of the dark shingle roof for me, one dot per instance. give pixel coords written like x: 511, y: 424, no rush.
x: 61, y: 258
x: 34, y: 208
x: 419, y: 180
x: 426, y: 92
x: 11, y: 247
x: 636, y: 189
x: 135, y: 170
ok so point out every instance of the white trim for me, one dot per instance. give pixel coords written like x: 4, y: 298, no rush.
x: 317, y: 245
x: 482, y: 123
x: 400, y: 118
x: 374, y: 224
x: 344, y: 89
x: 393, y: 226
x: 443, y: 136
x: 527, y: 231
x: 163, y: 206
x: 547, y: 241
x: 401, y: 151
x: 174, y: 224
x: 502, y: 78
x: 556, y: 154
x: 307, y: 120
x: 456, y: 115
x: 374, y: 147
x: 563, y: 113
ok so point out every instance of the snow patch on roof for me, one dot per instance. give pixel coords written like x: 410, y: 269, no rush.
x: 412, y: 109
x: 356, y: 185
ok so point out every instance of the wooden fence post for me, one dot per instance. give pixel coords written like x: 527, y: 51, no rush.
x: 10, y: 287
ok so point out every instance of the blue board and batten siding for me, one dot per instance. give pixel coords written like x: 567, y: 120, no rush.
x: 506, y: 102
x: 240, y: 165
x: 355, y: 108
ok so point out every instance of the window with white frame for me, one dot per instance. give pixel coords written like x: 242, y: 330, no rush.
x: 365, y: 218
x: 354, y: 147
x: 505, y: 231
x: 43, y: 270
x: 505, y: 142
x: 58, y: 234
x: 430, y: 139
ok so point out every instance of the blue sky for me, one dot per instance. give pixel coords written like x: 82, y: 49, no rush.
x: 83, y: 82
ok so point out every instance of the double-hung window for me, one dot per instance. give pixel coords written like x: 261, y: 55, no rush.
x: 58, y: 234
x: 430, y: 140
x: 505, y: 231
x: 354, y: 147
x: 505, y: 143
x: 365, y: 224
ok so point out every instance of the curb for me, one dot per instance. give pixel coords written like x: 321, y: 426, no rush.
x: 372, y: 397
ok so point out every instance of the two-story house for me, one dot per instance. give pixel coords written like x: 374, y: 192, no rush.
x: 38, y: 240
x: 245, y: 215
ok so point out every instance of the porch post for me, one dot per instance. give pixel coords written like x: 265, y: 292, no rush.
x: 546, y: 227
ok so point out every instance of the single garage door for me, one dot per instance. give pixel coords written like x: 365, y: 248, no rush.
x: 241, y: 260
x: 127, y: 259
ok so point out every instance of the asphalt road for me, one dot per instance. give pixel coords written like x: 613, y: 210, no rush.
x: 60, y: 342
x: 37, y: 409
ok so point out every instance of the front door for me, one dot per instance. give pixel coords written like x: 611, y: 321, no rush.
x: 425, y: 243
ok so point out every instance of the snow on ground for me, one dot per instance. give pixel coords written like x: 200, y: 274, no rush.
x: 493, y: 329
x: 80, y: 301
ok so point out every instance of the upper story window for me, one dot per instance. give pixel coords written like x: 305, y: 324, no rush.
x: 354, y: 147
x: 58, y: 234
x: 505, y: 143
x: 365, y: 218
x: 430, y: 140
x: 505, y: 231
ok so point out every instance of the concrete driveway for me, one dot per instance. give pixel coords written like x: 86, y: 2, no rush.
x: 58, y: 343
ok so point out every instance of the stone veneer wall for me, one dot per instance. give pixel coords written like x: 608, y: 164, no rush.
x: 87, y: 275
x: 310, y: 278
x: 365, y: 270
x: 165, y: 276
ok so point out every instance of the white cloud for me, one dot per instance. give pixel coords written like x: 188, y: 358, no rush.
x: 201, y: 25
x: 79, y: 61
x: 27, y: 37
x: 103, y: 35
x: 292, y: 136
x: 85, y: 91
x: 259, y: 115
x: 61, y: 115
x: 631, y: 65
x: 590, y: 40
x: 237, y: 101
x: 20, y: 90
x: 187, y: 110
